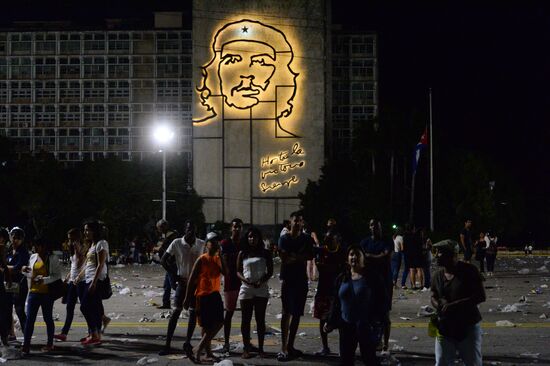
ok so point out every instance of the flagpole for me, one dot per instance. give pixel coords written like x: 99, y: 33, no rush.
x: 411, y: 211
x: 431, y: 166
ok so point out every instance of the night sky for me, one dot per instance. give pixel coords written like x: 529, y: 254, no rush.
x: 486, y: 63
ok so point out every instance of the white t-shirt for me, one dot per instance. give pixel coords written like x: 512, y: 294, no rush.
x: 397, y: 243
x: 91, y: 261
x: 254, y: 268
x: 75, y: 270
x: 185, y: 254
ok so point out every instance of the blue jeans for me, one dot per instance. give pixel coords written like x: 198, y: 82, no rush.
x: 91, y: 307
x: 405, y: 271
x: 469, y: 349
x: 428, y: 271
x: 396, y: 265
x: 34, y: 302
x: 71, y: 300
x: 167, y: 290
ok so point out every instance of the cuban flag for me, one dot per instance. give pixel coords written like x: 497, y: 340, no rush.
x: 418, y: 149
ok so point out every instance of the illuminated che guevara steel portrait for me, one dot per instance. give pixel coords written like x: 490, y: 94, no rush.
x: 250, y: 71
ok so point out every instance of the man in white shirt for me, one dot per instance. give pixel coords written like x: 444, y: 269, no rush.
x: 396, y: 256
x: 185, y: 251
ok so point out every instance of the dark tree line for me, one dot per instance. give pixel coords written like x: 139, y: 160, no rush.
x: 47, y: 197
x: 376, y: 182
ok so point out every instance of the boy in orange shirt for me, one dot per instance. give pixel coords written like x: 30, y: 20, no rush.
x: 205, y: 281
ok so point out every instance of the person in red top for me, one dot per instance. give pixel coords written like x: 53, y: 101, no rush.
x: 230, y: 249
x: 204, y: 282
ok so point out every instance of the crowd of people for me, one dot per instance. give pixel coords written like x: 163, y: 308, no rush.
x: 355, y: 284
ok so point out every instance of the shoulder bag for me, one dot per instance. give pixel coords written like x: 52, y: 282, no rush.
x: 103, y: 287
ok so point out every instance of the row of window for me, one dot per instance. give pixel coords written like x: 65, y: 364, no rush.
x: 76, y: 132
x: 97, y: 42
x: 95, y: 67
x: 93, y: 36
x: 354, y: 45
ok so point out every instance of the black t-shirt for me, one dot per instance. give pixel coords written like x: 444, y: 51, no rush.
x: 467, y: 237
x: 230, y: 251
x: 467, y: 282
x: 295, y: 271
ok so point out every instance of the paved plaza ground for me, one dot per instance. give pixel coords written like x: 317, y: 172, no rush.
x: 138, y: 327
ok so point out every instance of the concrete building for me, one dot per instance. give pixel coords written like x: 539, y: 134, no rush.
x: 87, y: 92
x: 354, y: 86
x: 91, y: 92
x: 259, y: 110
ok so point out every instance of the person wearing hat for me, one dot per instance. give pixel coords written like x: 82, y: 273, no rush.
x: 205, y: 283
x: 184, y: 252
x: 457, y: 290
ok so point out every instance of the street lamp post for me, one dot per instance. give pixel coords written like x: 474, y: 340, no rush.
x: 163, y: 134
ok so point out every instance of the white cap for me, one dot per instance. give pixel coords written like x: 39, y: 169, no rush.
x: 211, y: 235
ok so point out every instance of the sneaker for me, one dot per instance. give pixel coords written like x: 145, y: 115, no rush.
x: 187, y: 347
x: 403, y: 287
x: 60, y: 337
x: 47, y: 349
x: 425, y: 289
x: 323, y: 352
x: 105, y: 322
x: 164, y: 307
x: 92, y: 342
x: 165, y: 351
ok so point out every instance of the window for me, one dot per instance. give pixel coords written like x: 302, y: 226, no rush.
x: 21, y: 91
x: 119, y: 67
x: 3, y: 68
x: 21, y: 43
x: 21, y: 115
x: 69, y: 67
x: 69, y: 114
x: 44, y: 67
x: 143, y: 66
x: 94, y: 90
x: 167, y: 88
x: 45, y: 43
x: 167, y: 66
x: 44, y: 143
x: 94, y: 42
x: 21, y: 68
x: 44, y: 91
x: 118, y: 113
x: 44, y: 115
x: 69, y: 90
x: 361, y: 68
x: 119, y: 42
x: 168, y: 42
x: 94, y: 115
x: 94, y: 67
x: 3, y: 92
x: 119, y: 89
x: 69, y: 43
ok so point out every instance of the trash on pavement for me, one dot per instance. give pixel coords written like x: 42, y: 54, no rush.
x: 505, y: 323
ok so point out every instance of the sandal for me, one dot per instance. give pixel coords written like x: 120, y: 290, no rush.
x: 296, y: 353
x: 283, y: 357
x: 193, y: 359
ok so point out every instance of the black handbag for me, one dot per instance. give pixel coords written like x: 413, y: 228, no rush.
x: 103, y: 287
x: 57, y: 288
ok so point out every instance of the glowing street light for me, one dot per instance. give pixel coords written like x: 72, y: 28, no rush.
x: 163, y: 135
